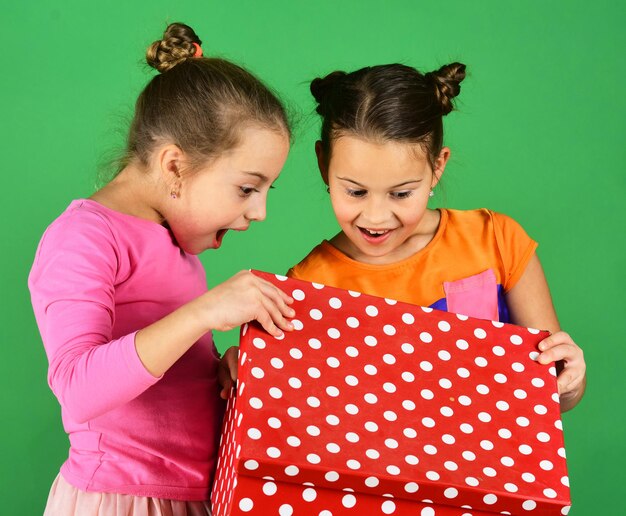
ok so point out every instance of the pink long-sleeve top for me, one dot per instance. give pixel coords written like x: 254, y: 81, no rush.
x: 98, y: 277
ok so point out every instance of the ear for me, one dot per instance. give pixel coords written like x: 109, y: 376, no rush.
x: 440, y: 165
x: 322, y: 160
x: 170, y: 160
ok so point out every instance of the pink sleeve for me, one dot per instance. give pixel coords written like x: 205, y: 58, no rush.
x: 72, y: 290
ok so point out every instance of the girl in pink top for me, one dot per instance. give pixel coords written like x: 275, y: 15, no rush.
x: 121, y: 299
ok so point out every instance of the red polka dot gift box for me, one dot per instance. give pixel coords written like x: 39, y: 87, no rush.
x: 372, y: 406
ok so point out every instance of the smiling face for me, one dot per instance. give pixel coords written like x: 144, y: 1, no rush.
x: 229, y: 193
x: 379, y: 192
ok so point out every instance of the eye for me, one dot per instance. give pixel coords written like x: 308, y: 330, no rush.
x: 356, y: 193
x: 246, y: 191
x: 402, y: 194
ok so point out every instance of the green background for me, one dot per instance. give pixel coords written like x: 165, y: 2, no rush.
x: 539, y: 135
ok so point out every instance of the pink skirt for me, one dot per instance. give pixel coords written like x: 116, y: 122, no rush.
x: 66, y: 500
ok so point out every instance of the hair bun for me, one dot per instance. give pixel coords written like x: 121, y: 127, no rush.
x: 321, y: 88
x: 176, y: 46
x: 447, y: 84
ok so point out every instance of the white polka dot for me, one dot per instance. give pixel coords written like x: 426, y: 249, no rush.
x: 500, y: 378
x: 550, y: 493
x: 426, y: 309
x: 352, y: 409
x: 537, y: 382
x: 388, y: 507
x: 520, y: 394
x: 389, y: 387
x: 432, y: 475
x: 534, y: 331
x: 393, y: 470
x: 543, y: 437
x: 353, y: 464
x: 256, y: 403
x: 522, y: 421
x: 333, y: 362
x: 370, y: 369
x: 295, y: 353
x: 546, y: 465
x: 533, y: 355
x: 498, y: 351
x: 443, y: 326
x: 254, y: 433
x: 388, y: 329
x: 444, y: 355
x: 502, y: 405
x: 427, y: 394
x: 469, y: 455
x: 293, y: 441
x: 351, y: 380
x: 555, y: 397
x: 269, y: 488
x: 486, y: 445
x: 391, y: 443
x: 408, y: 405
x: 410, y: 433
x: 274, y: 422
x: 313, y: 458
x: 315, y: 344
x: 285, y: 510
x: 428, y: 422
x: 462, y: 317
x: 370, y: 340
x: 444, y: 383
x: 516, y: 339
x: 481, y: 361
x: 408, y: 318
x: 466, y: 428
x: 371, y: 481
x: 524, y: 449
x: 389, y: 359
x: 371, y: 310
x: 408, y: 377
x: 490, y: 499
x: 332, y: 420
x: 294, y: 412
x: 370, y: 426
x: 309, y: 494
x: 313, y: 402
x: 517, y: 367
x: 430, y: 449
x: 466, y: 401
x: 482, y: 389
x: 273, y: 452
x: 479, y: 333
x: 411, y: 487
x: 462, y: 372
x: 390, y: 415
x: 471, y: 481
x: 246, y: 504
x: 258, y: 343
x: 565, y: 481
x: 528, y: 477
x: 333, y: 333
x: 540, y: 409
x: 314, y: 372
x: 505, y: 433
x: 561, y: 452
x: 511, y: 488
x: 257, y: 372
x: 450, y: 466
x: 332, y: 391
x: 426, y: 337
x: 412, y: 460
x: 565, y: 510
x: 315, y: 314
x: 251, y: 465
x: 313, y: 430
x: 407, y: 348
x: 297, y: 325
x: 529, y: 505
x: 352, y: 352
x: 490, y: 472
x: 334, y: 302
x: 427, y: 511
x: 372, y: 454
x: 484, y: 417
x: 497, y: 324
x: 331, y: 476
x: 446, y: 411
x: 298, y: 295
x: 276, y: 393
x: 462, y: 344
x: 507, y: 461
x: 352, y: 322
x: 292, y: 471
x: 391, y: 301
x: 354, y: 293
x: 370, y: 398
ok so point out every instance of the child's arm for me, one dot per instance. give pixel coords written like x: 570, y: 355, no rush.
x: 530, y: 304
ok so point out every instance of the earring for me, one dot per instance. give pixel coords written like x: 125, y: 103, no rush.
x: 173, y: 194
x: 431, y: 194
x: 327, y: 189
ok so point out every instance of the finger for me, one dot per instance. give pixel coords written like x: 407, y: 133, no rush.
x: 573, y: 385
x: 276, y: 315
x: 232, y: 360
x: 279, y: 298
x: 265, y: 320
x: 560, y: 337
x: 567, y: 352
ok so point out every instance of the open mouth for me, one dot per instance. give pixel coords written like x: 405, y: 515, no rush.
x: 375, y: 236
x: 219, y: 236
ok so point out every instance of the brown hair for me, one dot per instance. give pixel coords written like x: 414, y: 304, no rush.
x: 197, y: 103
x: 390, y: 102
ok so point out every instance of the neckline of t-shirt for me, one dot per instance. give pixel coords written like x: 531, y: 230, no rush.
x: 127, y: 218
x: 407, y: 261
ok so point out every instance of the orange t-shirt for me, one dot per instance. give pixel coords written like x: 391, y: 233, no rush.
x: 474, y: 258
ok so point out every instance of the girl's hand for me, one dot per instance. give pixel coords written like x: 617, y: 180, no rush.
x: 570, y: 362
x: 227, y: 371
x: 246, y: 297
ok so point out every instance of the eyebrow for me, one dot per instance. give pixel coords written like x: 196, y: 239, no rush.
x: 395, y: 186
x: 262, y: 177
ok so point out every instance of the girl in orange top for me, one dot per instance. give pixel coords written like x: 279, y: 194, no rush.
x: 381, y: 154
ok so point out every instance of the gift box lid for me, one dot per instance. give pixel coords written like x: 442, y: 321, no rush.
x: 370, y: 395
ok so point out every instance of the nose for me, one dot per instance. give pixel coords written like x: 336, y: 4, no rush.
x: 257, y: 209
x: 375, y: 211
